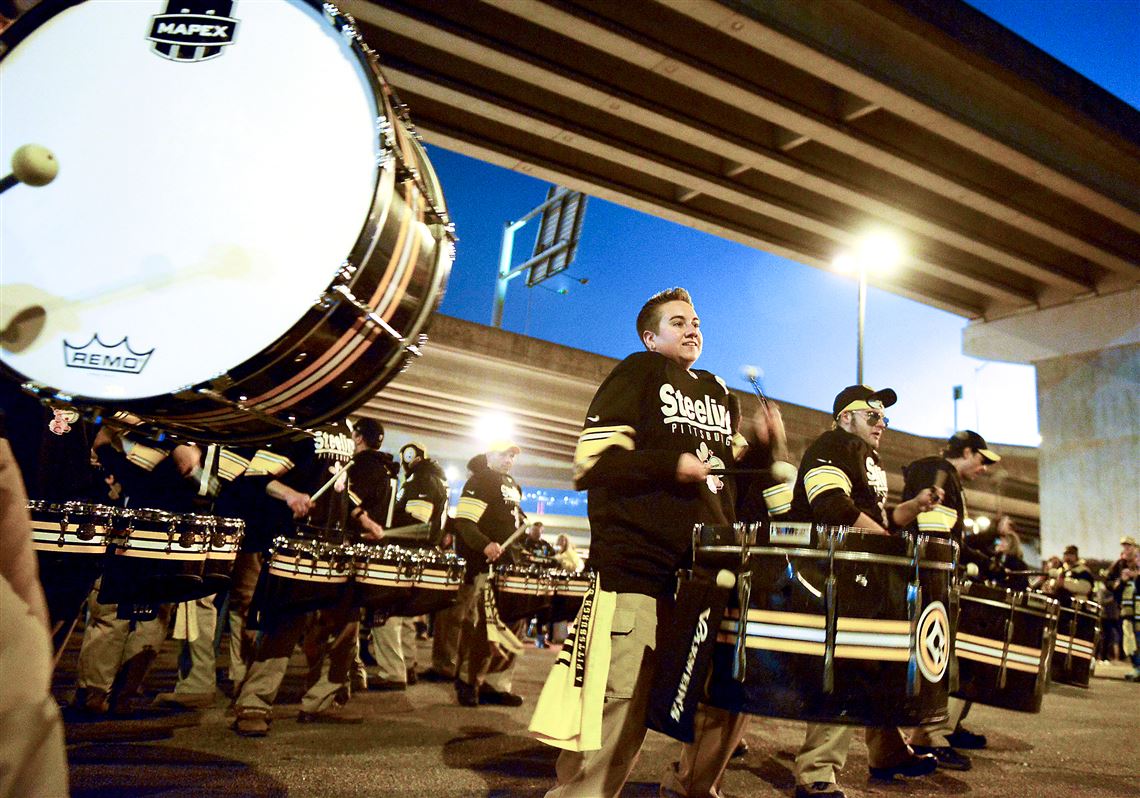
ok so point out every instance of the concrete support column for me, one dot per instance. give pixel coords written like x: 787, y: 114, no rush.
x: 1088, y: 409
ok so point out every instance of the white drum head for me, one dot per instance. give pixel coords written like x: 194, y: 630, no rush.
x: 201, y: 206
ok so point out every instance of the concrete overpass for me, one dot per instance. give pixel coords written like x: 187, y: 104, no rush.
x: 795, y: 126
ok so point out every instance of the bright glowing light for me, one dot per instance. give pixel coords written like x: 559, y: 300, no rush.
x: 452, y: 474
x: 845, y: 263
x: 494, y: 426
x: 983, y: 523
x: 880, y: 251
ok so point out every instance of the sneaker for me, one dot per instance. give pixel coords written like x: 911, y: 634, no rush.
x: 961, y: 738
x: 358, y: 682
x: 335, y: 713
x: 499, y: 698
x: 1133, y: 676
x: 819, y: 789
x: 185, y: 700
x: 466, y: 694
x: 433, y: 675
x: 741, y: 750
x: 252, y: 722
x: 385, y: 686
x: 948, y: 758
x: 911, y: 767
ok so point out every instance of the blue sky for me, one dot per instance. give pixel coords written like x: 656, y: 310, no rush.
x: 757, y: 308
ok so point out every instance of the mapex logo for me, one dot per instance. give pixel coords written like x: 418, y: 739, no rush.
x: 193, y: 30
x: 99, y: 356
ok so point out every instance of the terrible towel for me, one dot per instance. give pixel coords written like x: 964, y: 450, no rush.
x: 569, y: 709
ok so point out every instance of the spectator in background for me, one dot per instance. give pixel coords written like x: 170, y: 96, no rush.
x: 1008, y: 557
x: 567, y: 555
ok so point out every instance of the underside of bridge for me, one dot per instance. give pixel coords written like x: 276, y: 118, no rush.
x: 795, y: 126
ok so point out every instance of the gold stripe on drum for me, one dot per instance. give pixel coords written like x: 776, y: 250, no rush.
x: 989, y: 652
x: 772, y: 616
x: 873, y: 652
x: 306, y: 569
x: 803, y: 633
x: 774, y: 644
x: 524, y: 586
x: 1075, y: 646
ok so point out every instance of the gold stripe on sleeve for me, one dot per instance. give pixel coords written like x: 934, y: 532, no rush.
x: 144, y: 457
x: 231, y: 465
x: 594, y: 441
x: 824, y: 478
x: 938, y: 520
x: 419, y: 509
x: 267, y: 463
x: 470, y: 508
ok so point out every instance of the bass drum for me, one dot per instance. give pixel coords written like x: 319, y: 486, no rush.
x: 245, y: 235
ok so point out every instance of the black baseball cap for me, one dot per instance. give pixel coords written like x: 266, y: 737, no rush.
x: 967, y: 437
x: 862, y: 397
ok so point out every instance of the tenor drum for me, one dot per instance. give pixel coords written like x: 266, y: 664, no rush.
x: 300, y: 576
x: 521, y: 590
x: 1078, y: 631
x: 438, y: 577
x: 1003, y: 644
x: 831, y: 625
x: 383, y: 576
x: 569, y: 590
x: 255, y: 238
x: 70, y: 540
x: 156, y: 557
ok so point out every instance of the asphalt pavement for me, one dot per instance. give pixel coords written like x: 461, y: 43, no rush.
x: 421, y: 743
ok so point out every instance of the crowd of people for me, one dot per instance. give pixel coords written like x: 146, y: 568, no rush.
x: 665, y: 447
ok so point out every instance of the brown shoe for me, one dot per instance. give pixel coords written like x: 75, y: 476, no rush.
x: 186, y: 700
x: 252, y: 722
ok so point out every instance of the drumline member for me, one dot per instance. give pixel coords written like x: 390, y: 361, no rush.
x: 116, y: 653
x: 540, y: 553
x: 421, y: 499
x: 1121, y: 580
x: 1073, y: 579
x: 841, y: 483
x: 654, y: 431
x: 33, y: 761
x: 965, y: 457
x: 302, y: 469
x: 196, y: 685
x: 488, y: 513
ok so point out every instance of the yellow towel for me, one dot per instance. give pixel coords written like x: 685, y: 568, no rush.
x: 499, y: 635
x: 186, y: 622
x: 569, y: 709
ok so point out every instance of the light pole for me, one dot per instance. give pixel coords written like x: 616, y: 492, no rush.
x: 876, y: 251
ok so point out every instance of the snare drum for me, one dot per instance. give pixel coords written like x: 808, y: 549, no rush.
x: 1078, y: 631
x: 225, y: 539
x: 521, y: 590
x: 301, y: 576
x: 264, y: 173
x: 1003, y: 645
x: 156, y: 557
x: 831, y: 625
x: 70, y: 540
x: 569, y: 590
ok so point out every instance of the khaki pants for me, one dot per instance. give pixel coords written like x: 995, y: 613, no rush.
x: 701, y: 766
x: 394, y: 646
x: 633, y: 640
x: 201, y: 678
x: 108, y: 642
x: 445, y: 635
x: 479, y: 662
x: 329, y: 635
x: 824, y: 752
x: 243, y: 580
x: 956, y: 709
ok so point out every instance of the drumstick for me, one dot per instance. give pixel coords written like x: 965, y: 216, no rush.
x: 336, y: 475
x: 514, y: 536
x: 753, y: 375
x: 722, y: 472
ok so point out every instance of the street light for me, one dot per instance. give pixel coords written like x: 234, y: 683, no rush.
x: 876, y: 251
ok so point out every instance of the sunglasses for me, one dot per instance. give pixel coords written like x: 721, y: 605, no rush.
x: 873, y: 418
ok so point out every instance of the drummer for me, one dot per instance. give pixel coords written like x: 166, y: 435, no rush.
x: 655, y: 430
x: 1073, y: 579
x: 489, y: 513
x: 841, y: 483
x: 964, y: 458
x: 316, y: 461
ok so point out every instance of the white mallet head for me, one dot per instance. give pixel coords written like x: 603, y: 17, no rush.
x: 752, y: 372
x: 971, y: 569
x: 34, y: 165
x: 725, y: 579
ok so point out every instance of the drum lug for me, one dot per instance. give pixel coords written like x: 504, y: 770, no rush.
x: 341, y: 293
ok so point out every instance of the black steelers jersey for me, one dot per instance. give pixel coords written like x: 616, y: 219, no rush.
x: 947, y: 518
x: 646, y: 413
x: 839, y: 478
